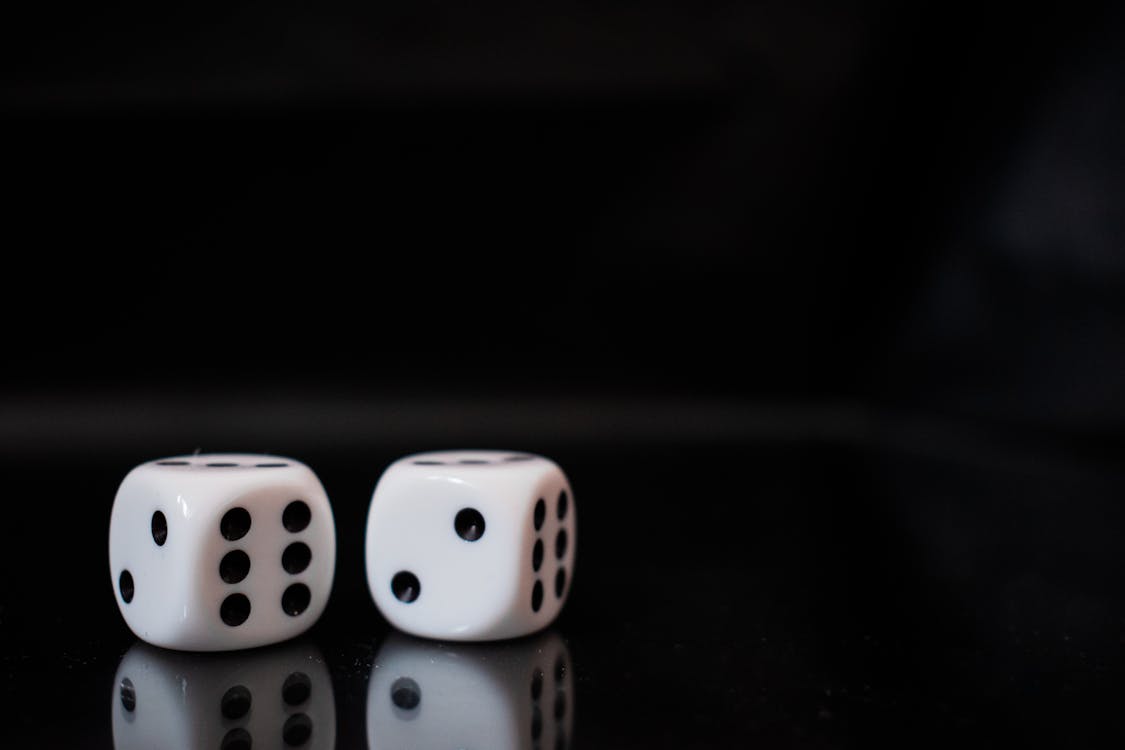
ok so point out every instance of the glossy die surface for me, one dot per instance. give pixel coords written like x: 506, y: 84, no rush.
x: 471, y: 545
x: 217, y: 552
x: 273, y: 698
x: 516, y: 695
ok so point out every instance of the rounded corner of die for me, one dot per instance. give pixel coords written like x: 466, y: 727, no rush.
x: 134, y: 475
x: 134, y: 627
x: 387, y: 611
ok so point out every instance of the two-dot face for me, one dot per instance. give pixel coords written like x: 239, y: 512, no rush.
x: 517, y: 695
x: 236, y: 551
x: 471, y: 545
x: 279, y: 697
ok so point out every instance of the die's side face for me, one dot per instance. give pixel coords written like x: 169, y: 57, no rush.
x: 549, y: 561
x: 152, y: 578
x: 280, y: 697
x: 442, y: 548
x: 513, y: 694
x: 251, y: 550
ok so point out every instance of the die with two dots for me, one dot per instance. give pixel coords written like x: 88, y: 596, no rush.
x: 471, y: 545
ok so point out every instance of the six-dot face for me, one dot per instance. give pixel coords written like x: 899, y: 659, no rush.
x: 471, y: 545
x: 517, y: 695
x: 279, y: 698
x: 222, y: 551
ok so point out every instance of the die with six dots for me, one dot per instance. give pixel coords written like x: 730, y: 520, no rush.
x: 471, y: 545
x: 218, y: 552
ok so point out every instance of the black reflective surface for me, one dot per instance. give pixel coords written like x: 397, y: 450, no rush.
x: 809, y: 593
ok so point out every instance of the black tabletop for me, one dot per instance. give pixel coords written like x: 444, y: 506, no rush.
x: 785, y: 592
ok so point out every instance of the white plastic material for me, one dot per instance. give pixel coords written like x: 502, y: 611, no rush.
x: 275, y: 698
x: 471, y: 590
x: 178, y: 593
x: 510, y: 696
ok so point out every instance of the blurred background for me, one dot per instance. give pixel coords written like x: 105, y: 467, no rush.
x: 566, y: 221
x: 846, y: 281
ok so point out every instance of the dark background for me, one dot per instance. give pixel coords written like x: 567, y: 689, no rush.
x: 822, y: 309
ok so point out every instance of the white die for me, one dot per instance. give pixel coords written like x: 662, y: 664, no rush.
x: 221, y: 551
x: 511, y: 696
x: 279, y: 697
x: 431, y: 571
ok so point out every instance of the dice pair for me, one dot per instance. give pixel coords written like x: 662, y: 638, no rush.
x: 219, y: 552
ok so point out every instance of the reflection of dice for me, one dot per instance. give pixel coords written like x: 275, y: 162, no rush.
x: 219, y: 552
x: 471, y: 545
x: 424, y: 694
x: 277, y: 697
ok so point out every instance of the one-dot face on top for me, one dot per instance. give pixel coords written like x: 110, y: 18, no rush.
x: 221, y: 551
x: 465, y: 545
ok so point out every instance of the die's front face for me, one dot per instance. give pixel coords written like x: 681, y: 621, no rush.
x: 279, y: 697
x: 517, y: 695
x: 221, y: 552
x: 470, y: 545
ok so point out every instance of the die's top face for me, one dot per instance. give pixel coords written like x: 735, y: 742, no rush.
x: 207, y: 461
x: 509, y: 477
x: 514, y: 694
x: 223, y: 468
x: 475, y: 458
x: 277, y: 697
x: 200, y: 484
